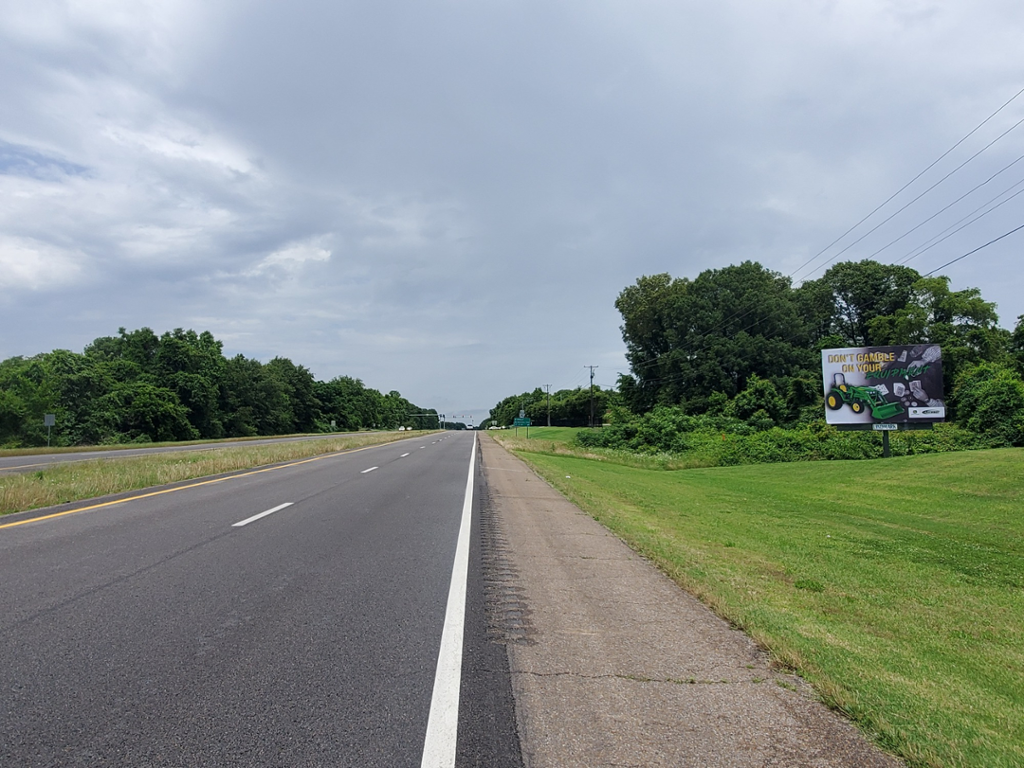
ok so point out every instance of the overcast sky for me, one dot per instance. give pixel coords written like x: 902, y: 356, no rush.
x: 445, y: 198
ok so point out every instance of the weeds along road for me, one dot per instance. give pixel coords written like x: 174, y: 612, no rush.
x: 286, y: 618
x: 12, y: 464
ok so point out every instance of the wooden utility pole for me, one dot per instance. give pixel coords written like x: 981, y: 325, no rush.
x: 548, y: 388
x: 591, y: 367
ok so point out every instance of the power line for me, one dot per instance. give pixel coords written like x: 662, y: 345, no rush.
x: 929, y: 189
x: 986, y: 245
x: 942, y: 236
x: 918, y: 176
x: 680, y: 376
x: 740, y: 314
x: 945, y: 208
x: 700, y: 343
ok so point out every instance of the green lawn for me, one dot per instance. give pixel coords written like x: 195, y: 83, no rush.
x: 539, y: 434
x: 895, y: 586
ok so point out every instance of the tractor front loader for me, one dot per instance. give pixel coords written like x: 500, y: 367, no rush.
x: 859, y: 398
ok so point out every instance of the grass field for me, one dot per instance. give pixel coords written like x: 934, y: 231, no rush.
x: 896, y: 587
x: 75, y: 481
x: 540, y: 434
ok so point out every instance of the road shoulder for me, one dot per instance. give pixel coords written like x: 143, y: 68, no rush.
x: 614, y: 664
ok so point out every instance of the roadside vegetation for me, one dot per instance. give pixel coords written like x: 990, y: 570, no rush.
x: 666, y: 439
x: 138, y: 387
x: 734, y: 356
x: 76, y: 481
x: 895, y: 586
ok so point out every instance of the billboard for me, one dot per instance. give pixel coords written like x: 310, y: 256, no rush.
x: 875, y: 385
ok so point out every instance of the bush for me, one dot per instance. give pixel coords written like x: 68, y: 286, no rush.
x: 990, y: 400
x: 723, y: 442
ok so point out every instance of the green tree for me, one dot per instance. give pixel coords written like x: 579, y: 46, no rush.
x: 146, y: 411
x: 192, y: 365
x: 760, y: 404
x: 140, y: 386
x: 1017, y: 345
x: 687, y: 340
x: 990, y: 400
x: 843, y: 303
x: 298, y: 385
x: 352, y: 406
x: 961, y: 322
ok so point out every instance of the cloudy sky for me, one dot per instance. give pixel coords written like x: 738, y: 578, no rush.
x: 445, y: 197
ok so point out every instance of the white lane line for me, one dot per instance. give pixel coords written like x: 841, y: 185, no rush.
x: 254, y: 518
x: 368, y: 470
x: 443, y: 722
x: 403, y: 455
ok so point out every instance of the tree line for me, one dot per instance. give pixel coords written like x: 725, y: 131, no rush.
x: 140, y: 387
x: 743, y: 343
x: 566, y: 407
x: 741, y: 329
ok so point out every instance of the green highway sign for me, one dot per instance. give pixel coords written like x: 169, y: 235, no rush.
x: 521, y: 422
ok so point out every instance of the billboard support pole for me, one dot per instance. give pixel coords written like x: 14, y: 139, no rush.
x: 886, y: 453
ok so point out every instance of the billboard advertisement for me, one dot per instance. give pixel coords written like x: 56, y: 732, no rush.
x: 875, y: 385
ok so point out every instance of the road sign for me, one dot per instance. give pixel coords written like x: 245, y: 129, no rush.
x: 49, y: 420
x: 521, y: 422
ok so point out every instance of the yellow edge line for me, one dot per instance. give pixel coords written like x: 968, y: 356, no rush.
x: 187, y: 487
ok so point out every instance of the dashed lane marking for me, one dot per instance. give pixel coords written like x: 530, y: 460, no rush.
x: 185, y: 487
x: 254, y: 518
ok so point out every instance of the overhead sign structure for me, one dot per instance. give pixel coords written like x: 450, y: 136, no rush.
x: 899, y: 385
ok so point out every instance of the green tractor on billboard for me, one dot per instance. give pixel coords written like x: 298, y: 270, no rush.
x: 859, y: 398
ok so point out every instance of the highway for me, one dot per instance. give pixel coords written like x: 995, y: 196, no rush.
x: 291, y: 617
x: 11, y: 464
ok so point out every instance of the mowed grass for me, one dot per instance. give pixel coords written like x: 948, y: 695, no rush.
x: 537, y: 435
x: 895, y: 586
x: 76, y: 481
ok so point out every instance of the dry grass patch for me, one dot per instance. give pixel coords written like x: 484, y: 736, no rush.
x: 62, y: 483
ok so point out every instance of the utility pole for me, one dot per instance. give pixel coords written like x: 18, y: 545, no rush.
x: 591, y: 367
x: 548, y: 388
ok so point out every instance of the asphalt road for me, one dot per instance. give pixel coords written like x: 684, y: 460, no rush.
x: 10, y: 464
x: 160, y: 632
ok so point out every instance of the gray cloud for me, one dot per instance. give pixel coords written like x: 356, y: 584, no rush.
x: 445, y: 198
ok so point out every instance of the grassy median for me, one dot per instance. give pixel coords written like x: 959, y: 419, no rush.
x: 895, y: 586
x: 75, y: 481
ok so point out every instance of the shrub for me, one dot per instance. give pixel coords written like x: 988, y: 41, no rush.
x: 990, y: 400
x: 708, y: 444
